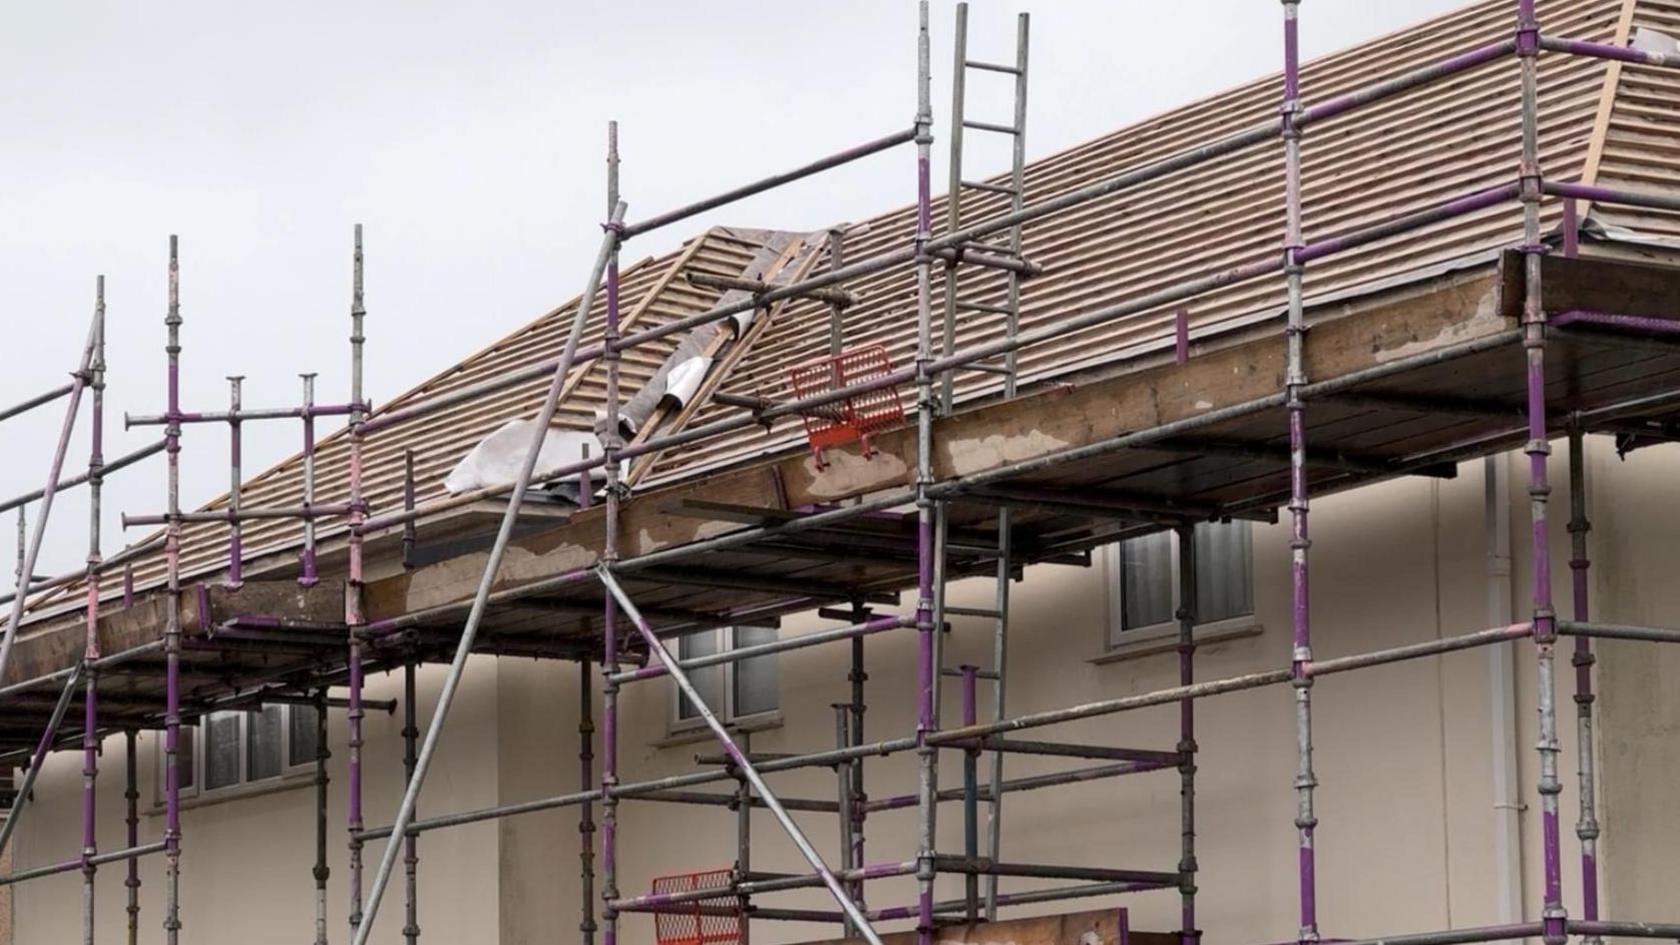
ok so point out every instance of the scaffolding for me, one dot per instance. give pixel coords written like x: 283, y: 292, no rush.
x: 630, y: 634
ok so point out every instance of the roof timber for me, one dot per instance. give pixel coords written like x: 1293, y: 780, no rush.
x: 1207, y: 218
x: 1095, y: 388
x: 1099, y: 927
x: 1452, y: 310
x: 537, y: 615
x: 1390, y: 420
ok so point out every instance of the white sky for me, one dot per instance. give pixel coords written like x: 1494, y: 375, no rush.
x: 468, y: 139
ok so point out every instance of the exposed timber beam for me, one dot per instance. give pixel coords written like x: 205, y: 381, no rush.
x: 1345, y: 460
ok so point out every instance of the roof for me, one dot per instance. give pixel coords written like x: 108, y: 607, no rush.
x: 1416, y: 150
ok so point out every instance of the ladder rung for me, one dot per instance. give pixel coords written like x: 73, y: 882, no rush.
x: 971, y: 611
x: 984, y: 307
x: 991, y: 66
x: 988, y: 126
x: 988, y: 368
x: 990, y: 188
x: 978, y: 674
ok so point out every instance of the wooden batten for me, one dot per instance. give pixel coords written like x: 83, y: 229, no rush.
x: 1101, y: 927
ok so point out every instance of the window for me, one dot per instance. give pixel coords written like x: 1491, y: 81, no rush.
x: 735, y: 690
x: 224, y: 750
x: 1147, y: 582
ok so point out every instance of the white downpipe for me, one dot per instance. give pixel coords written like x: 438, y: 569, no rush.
x: 1502, y: 694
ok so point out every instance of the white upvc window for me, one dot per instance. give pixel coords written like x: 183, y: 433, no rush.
x: 1145, y: 581
x: 742, y: 689
x: 225, y: 751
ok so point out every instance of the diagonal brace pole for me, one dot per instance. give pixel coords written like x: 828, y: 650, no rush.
x: 481, y: 601
x: 47, y: 738
x: 742, y: 763
x: 26, y: 570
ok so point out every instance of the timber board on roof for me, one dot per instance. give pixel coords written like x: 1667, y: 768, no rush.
x: 1237, y: 466
x: 1432, y: 143
x: 1640, y: 145
x: 653, y: 292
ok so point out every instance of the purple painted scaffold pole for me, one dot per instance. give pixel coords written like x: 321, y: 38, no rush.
x: 1553, y: 915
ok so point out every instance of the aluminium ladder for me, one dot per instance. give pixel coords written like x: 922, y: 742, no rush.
x: 1011, y: 249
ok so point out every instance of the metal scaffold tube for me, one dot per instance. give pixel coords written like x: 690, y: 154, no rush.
x: 1553, y: 916
x: 586, y: 810
x: 1017, y: 202
x: 1586, y: 825
x: 321, y: 872
x: 353, y: 789
x: 744, y: 801
x: 37, y: 401
x: 742, y: 765
x: 802, y: 641
x: 48, y: 736
x: 940, y: 246
x: 309, y: 577
x: 1306, y: 780
x: 131, y: 794
x: 858, y: 795
x: 959, y: 736
x: 110, y: 466
x: 954, y: 192
x: 90, y: 652
x: 928, y: 499
x: 411, y: 842
x: 354, y: 617
x: 236, y: 523
x: 172, y: 615
x: 971, y: 793
x: 844, y: 808
x: 469, y: 632
x: 26, y: 565
x: 882, y: 143
x: 1000, y: 670
x: 1189, y: 933
x: 927, y: 670
x: 610, y: 453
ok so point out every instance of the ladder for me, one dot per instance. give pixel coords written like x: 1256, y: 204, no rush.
x: 1010, y: 311
x: 958, y: 188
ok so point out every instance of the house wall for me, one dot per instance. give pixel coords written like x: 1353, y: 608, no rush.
x: 1405, y: 802
x: 1636, y: 517
x: 1406, y: 799
x: 246, y: 862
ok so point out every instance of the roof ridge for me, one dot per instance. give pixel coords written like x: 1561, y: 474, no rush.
x: 804, y: 257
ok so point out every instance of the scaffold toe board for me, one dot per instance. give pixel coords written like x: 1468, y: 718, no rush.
x: 1101, y: 927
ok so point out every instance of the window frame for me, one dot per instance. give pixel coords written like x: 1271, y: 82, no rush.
x: 291, y: 770
x: 727, y: 714
x: 1120, y: 641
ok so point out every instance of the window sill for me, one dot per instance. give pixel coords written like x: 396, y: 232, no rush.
x: 695, y: 732
x: 1163, y: 638
x: 290, y: 781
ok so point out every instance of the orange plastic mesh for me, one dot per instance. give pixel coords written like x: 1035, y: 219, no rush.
x: 856, y: 417
x: 702, y: 921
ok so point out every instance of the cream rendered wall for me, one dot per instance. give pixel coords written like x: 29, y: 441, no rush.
x: 246, y: 862
x: 1635, y: 513
x: 1405, y: 802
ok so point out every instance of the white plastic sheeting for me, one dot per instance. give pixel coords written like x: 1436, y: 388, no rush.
x: 684, y: 380
x: 498, y: 458
x: 1649, y: 40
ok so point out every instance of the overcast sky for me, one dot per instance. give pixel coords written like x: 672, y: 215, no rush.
x: 468, y: 138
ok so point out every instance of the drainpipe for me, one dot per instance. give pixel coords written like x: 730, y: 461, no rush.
x: 1507, y: 792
